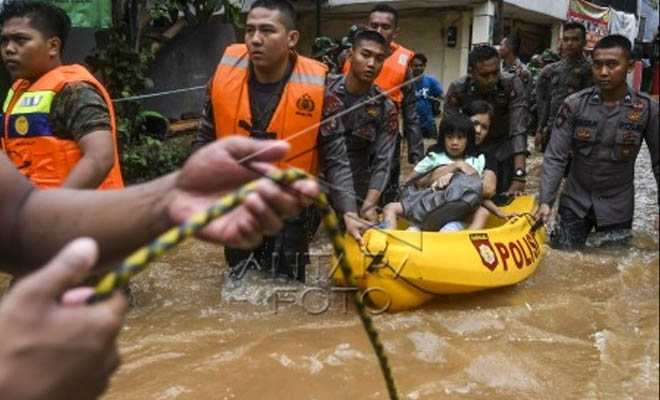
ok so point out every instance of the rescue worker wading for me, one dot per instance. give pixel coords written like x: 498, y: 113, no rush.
x: 396, y: 71
x: 265, y: 91
x: 58, y: 125
x: 560, y: 80
x: 505, y: 92
x: 603, y: 127
x: 370, y: 130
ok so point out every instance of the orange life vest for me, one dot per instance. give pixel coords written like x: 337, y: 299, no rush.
x: 297, y: 117
x: 28, y: 138
x: 394, y: 71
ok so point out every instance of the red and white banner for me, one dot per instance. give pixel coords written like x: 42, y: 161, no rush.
x: 595, y: 18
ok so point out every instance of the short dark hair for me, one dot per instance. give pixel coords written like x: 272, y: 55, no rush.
x: 613, y: 41
x: 514, y: 44
x: 479, y: 107
x: 422, y: 57
x: 457, y: 123
x: 480, y: 54
x: 289, y: 15
x: 386, y: 8
x: 371, y: 36
x: 45, y: 17
x: 572, y: 25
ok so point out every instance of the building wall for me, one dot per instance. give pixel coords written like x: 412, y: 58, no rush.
x: 423, y: 31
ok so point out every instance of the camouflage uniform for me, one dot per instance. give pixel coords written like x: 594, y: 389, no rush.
x: 605, y: 142
x: 558, y: 81
x: 78, y: 110
x: 508, y: 132
x: 370, y: 132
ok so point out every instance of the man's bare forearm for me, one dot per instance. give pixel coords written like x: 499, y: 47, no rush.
x: 105, y: 216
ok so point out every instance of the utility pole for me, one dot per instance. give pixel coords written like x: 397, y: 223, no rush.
x: 318, y: 18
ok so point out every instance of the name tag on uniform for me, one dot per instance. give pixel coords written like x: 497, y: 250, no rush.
x: 403, y: 59
x: 588, y: 123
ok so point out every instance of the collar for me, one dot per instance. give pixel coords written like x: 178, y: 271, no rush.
x: 628, y: 98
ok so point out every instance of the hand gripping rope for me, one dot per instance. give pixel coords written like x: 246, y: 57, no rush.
x: 139, y: 260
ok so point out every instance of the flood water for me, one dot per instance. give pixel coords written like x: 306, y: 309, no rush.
x: 585, y: 326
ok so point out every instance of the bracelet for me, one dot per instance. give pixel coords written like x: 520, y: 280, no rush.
x: 523, y: 180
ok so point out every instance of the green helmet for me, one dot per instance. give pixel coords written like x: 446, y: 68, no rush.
x: 323, y: 46
x: 550, y: 56
x: 347, y: 41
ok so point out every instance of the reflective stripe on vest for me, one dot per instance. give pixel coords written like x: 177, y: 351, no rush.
x: 28, y: 138
x: 296, y: 118
x: 393, y: 73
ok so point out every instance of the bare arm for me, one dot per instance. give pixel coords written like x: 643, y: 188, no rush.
x: 35, y: 224
x: 489, y: 184
x: 98, y: 159
x: 495, y: 210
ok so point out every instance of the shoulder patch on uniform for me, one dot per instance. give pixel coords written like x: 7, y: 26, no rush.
x: 331, y: 104
x: 393, y: 121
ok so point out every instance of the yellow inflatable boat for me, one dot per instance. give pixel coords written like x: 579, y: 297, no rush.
x: 400, y: 270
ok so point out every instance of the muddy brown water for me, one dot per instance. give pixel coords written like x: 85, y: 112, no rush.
x: 585, y: 326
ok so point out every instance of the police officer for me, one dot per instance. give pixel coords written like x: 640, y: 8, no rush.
x: 384, y: 19
x: 506, y: 93
x: 59, y: 120
x: 603, y: 127
x: 372, y: 127
x: 264, y: 90
x: 561, y: 79
x: 509, y: 51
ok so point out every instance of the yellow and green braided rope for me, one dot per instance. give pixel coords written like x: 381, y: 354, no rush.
x: 138, y: 261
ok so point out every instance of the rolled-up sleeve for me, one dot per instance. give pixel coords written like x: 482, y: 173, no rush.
x: 206, y: 131
x: 411, y: 125
x: 557, y: 155
x: 518, y: 117
x: 383, y: 150
x: 543, y: 96
x: 335, y: 165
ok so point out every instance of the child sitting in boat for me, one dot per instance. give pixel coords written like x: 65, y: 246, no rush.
x: 453, y: 161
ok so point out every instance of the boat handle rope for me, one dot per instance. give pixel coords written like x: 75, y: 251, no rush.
x: 139, y: 260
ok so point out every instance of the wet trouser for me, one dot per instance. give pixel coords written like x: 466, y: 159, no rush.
x: 284, y: 255
x: 571, y: 231
x: 430, y: 132
x: 392, y: 192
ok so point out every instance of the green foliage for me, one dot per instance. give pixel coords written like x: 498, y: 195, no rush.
x: 124, y: 64
x: 124, y: 68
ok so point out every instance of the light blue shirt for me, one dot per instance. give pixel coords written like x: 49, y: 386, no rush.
x: 435, y: 160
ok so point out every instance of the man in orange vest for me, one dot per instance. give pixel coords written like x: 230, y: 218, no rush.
x: 263, y: 90
x: 58, y: 124
x: 384, y: 19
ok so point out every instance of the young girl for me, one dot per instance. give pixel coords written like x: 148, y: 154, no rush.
x: 456, y: 151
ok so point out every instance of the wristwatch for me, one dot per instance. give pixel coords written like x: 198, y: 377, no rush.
x: 520, y: 175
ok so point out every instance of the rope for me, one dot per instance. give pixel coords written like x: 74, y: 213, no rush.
x: 159, y: 94
x: 139, y: 260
